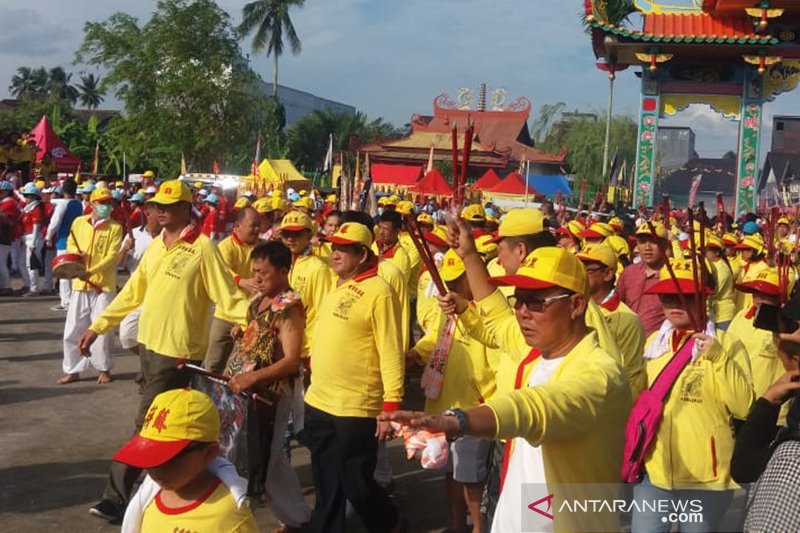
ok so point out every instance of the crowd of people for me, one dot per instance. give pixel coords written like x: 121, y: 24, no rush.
x: 547, y: 328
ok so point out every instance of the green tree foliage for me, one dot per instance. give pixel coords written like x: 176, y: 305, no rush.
x: 90, y: 91
x: 308, y: 139
x: 39, y: 84
x: 584, y: 139
x: 270, y: 21
x: 184, y: 83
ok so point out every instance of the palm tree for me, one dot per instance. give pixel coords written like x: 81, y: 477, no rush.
x: 91, y: 95
x: 271, y: 22
x: 28, y: 83
x: 58, y: 85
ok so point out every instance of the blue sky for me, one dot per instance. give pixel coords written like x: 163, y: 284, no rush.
x: 390, y: 58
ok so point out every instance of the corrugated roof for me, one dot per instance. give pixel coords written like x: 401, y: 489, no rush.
x: 682, y: 28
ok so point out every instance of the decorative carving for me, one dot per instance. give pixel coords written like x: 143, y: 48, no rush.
x: 498, y: 98
x: 703, y: 73
x: 781, y: 78
x: 660, y: 7
x: 443, y: 101
x: 519, y: 105
x: 465, y: 98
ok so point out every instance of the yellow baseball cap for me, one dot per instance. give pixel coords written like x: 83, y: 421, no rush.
x: 101, y: 195
x: 683, y: 275
x: 304, y: 193
x: 473, y: 213
x: 405, y: 207
x: 279, y: 203
x: 263, y: 206
x: 40, y: 184
x: 175, y: 419
x: 765, y: 282
x: 730, y: 239
x: 304, y: 202
x: 438, y: 236
x: 618, y: 244
x: 425, y: 218
x: 486, y: 247
x: 452, y: 266
x: 331, y: 199
x: 644, y: 230
x: 783, y: 220
x: 712, y: 241
x: 296, y: 221
x: 393, y: 200
x: 601, y: 253
x: 119, y: 184
x: 148, y: 174
x: 198, y: 184
x: 598, y: 230
x: 616, y: 223
x: 172, y: 192
x: 547, y: 267
x: 383, y: 200
x: 352, y: 233
x: 754, y: 242
x: 520, y: 222
x: 241, y: 203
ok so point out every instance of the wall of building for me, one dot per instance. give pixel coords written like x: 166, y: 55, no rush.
x: 300, y: 103
x: 675, y: 147
x: 786, y: 134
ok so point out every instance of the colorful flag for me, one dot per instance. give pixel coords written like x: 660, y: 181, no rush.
x: 183, y: 164
x: 695, y: 187
x: 328, y: 164
x: 257, y: 157
x: 96, y: 158
x: 215, y: 168
x: 430, y: 160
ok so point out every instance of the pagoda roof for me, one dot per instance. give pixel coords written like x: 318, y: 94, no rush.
x: 433, y: 184
x: 486, y: 182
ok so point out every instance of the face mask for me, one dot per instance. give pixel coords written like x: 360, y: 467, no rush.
x: 103, y: 211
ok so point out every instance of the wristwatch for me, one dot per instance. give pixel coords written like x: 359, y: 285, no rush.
x: 461, y: 418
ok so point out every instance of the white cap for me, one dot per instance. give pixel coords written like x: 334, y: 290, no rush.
x: 151, y: 190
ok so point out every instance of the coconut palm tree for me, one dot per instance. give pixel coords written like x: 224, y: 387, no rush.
x: 58, y: 85
x: 270, y: 21
x: 28, y: 83
x: 91, y: 96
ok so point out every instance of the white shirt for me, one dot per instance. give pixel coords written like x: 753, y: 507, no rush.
x: 141, y: 240
x: 526, y: 464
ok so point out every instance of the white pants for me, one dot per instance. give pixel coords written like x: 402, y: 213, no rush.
x: 129, y: 330
x: 33, y: 273
x: 15, y: 254
x: 5, y: 277
x: 49, y: 255
x: 64, y: 285
x: 283, y: 489
x: 84, y: 307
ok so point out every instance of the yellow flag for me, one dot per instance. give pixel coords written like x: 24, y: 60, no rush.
x: 183, y: 164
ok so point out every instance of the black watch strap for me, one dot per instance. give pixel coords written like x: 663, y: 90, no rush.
x: 461, y: 418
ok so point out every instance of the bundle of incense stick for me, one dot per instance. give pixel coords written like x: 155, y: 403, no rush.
x: 418, y: 238
x: 697, y: 275
x: 663, y: 246
x: 222, y: 380
x: 454, y: 154
x: 703, y: 272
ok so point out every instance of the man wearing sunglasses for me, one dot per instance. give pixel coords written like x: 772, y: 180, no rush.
x: 568, y: 417
x: 600, y: 263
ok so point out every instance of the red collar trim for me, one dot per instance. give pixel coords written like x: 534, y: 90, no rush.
x: 236, y: 239
x: 186, y: 508
x: 677, y: 338
x: 389, y: 253
x: 532, y: 356
x: 750, y: 312
x: 190, y: 233
x: 369, y: 273
x: 612, y: 304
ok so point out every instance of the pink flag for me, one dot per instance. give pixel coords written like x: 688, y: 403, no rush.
x: 695, y: 187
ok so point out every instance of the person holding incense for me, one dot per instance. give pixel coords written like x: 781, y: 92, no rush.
x: 752, y: 251
x: 689, y: 457
x: 387, y: 242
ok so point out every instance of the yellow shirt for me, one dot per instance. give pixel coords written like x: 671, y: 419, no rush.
x: 722, y: 302
x: 358, y: 364
x: 214, y: 513
x: 398, y: 255
x: 235, y: 255
x: 496, y: 270
x: 626, y: 328
x: 175, y: 287
x: 578, y: 418
x: 322, y: 250
x: 100, y: 245
x: 744, y: 300
x: 391, y: 274
x: 414, y: 259
x: 310, y: 278
x: 694, y: 442
x: 469, y: 372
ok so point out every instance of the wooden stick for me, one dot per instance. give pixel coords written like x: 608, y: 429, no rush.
x: 703, y: 271
x: 223, y: 380
x: 454, y: 154
x: 695, y: 269
x: 671, y: 272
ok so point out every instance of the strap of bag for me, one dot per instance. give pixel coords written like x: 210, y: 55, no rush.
x: 665, y: 380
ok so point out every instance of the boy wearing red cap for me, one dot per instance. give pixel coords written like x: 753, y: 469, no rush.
x: 187, y: 488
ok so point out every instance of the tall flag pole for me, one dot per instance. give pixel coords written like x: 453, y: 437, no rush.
x: 430, y: 160
x: 613, y: 178
x: 328, y: 163
x: 96, y: 159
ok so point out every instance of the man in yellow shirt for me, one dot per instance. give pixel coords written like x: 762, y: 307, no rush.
x: 752, y: 250
x: 178, y: 278
x: 600, y: 263
x: 357, y: 373
x: 723, y: 301
x: 387, y: 244
x: 568, y: 424
x: 188, y: 487
x: 406, y: 209
x: 98, y: 239
x: 309, y: 275
x: 235, y: 252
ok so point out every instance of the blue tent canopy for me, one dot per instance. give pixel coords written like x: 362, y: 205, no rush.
x: 550, y: 185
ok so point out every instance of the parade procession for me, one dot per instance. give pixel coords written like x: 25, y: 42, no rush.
x: 498, y: 318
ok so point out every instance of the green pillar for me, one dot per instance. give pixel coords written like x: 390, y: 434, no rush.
x: 649, y: 110
x: 749, y: 142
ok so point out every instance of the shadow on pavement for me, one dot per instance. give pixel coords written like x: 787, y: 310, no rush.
x: 50, y: 356
x: 19, y: 321
x: 20, y: 395
x: 23, y: 488
x: 49, y: 335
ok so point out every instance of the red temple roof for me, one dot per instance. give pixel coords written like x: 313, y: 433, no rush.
x: 401, y: 175
x: 433, y: 184
x: 699, y: 25
x: 486, y: 182
x: 737, y: 7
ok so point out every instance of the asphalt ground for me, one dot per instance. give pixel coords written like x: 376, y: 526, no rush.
x: 56, y: 441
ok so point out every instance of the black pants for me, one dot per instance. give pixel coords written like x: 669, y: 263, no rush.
x: 343, y: 458
x: 159, y: 374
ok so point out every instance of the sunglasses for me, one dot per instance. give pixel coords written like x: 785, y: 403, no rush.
x: 536, y: 305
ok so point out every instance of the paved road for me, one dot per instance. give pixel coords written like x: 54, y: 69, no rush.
x: 56, y: 441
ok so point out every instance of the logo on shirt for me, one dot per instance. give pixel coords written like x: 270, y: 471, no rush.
x: 344, y: 305
x: 177, y: 266
x: 692, y: 386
